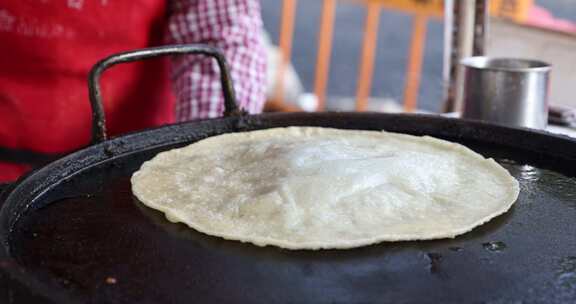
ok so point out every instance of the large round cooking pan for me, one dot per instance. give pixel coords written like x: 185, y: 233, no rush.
x: 73, y: 232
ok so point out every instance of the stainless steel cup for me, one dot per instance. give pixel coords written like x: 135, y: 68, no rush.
x: 506, y: 91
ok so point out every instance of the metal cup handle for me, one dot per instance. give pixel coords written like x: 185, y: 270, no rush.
x: 231, y: 108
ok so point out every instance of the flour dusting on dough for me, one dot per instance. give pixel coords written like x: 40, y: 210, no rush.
x: 313, y: 188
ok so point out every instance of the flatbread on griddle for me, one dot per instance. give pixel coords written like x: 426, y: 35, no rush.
x: 314, y: 188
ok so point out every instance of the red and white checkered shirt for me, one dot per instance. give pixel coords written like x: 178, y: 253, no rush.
x: 235, y: 27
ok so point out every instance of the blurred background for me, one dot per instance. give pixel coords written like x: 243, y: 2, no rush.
x: 522, y: 28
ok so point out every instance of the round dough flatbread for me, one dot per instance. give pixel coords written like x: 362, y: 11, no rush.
x: 314, y: 188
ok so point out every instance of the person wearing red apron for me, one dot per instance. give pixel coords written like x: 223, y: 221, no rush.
x: 47, y: 48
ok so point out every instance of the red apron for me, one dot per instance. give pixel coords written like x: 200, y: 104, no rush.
x: 47, y: 48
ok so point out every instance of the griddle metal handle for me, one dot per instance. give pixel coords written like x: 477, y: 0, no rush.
x: 231, y: 108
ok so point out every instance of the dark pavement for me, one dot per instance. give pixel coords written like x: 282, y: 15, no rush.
x: 392, y: 51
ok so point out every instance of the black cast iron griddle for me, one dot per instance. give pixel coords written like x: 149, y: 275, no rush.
x: 72, y: 232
